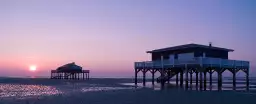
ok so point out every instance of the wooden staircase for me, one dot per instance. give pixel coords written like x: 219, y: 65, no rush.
x: 166, y: 77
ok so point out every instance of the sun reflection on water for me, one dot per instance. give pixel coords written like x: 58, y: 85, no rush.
x: 19, y: 90
x: 95, y: 89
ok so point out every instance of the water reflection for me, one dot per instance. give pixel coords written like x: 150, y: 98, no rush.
x: 93, y: 89
x: 19, y: 90
x: 172, y: 84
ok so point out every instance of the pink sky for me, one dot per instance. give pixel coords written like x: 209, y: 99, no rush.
x: 108, y: 36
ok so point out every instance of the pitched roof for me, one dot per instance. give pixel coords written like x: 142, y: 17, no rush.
x: 188, y: 46
x: 70, y: 67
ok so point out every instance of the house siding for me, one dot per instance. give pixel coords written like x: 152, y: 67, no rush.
x: 198, y: 52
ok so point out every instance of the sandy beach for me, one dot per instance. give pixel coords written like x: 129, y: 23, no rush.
x: 107, y: 91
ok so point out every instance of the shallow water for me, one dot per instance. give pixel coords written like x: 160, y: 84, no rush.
x: 20, y: 90
x: 27, y: 91
x: 226, y: 85
x: 93, y: 89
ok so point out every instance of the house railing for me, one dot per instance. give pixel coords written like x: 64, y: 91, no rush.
x: 198, y: 60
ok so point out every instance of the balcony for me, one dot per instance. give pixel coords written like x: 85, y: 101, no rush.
x: 209, y: 62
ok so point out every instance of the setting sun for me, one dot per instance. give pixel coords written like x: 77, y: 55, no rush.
x: 32, y: 68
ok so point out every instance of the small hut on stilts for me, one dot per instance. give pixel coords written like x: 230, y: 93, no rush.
x: 70, y: 71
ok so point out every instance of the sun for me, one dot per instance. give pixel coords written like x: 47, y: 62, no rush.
x: 32, y: 67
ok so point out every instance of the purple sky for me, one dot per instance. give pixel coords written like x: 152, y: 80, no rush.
x: 108, y: 36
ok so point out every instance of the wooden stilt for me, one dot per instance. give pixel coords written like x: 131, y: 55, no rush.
x: 191, y: 79
x: 201, y: 80
x: 219, y: 80
x: 88, y: 75
x: 83, y: 75
x: 181, y: 79
x: 186, y: 78
x: 153, y: 77
x: 168, y: 74
x: 162, y: 81
x: 205, y: 79
x: 247, y: 80
x: 144, y: 77
x: 234, y: 78
x: 211, y: 79
x: 136, y: 72
x: 177, y: 78
x: 196, y: 80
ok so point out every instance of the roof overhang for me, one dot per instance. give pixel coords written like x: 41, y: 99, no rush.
x: 186, y: 46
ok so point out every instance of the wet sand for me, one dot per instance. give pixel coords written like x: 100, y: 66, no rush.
x: 109, y: 91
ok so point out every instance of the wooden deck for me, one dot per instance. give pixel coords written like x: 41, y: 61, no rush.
x: 200, y: 62
x: 75, y: 75
x: 170, y: 68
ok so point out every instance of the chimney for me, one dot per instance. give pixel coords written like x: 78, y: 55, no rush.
x: 210, y: 44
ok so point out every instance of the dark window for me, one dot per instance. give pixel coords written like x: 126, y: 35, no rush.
x: 175, y: 56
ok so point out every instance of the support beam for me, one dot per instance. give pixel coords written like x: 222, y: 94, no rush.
x: 186, y: 80
x: 162, y: 81
x: 234, y: 78
x: 83, y: 75
x: 191, y: 79
x: 219, y: 80
x: 153, y: 77
x: 247, y: 79
x: 177, y: 78
x: 144, y: 77
x: 196, y: 80
x: 169, y: 75
x: 205, y: 80
x: 162, y: 71
x: 136, y: 72
x: 211, y: 71
x: 181, y: 79
x: 201, y: 80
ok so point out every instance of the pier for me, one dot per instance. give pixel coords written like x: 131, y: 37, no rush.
x: 70, y: 71
x: 185, y: 60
